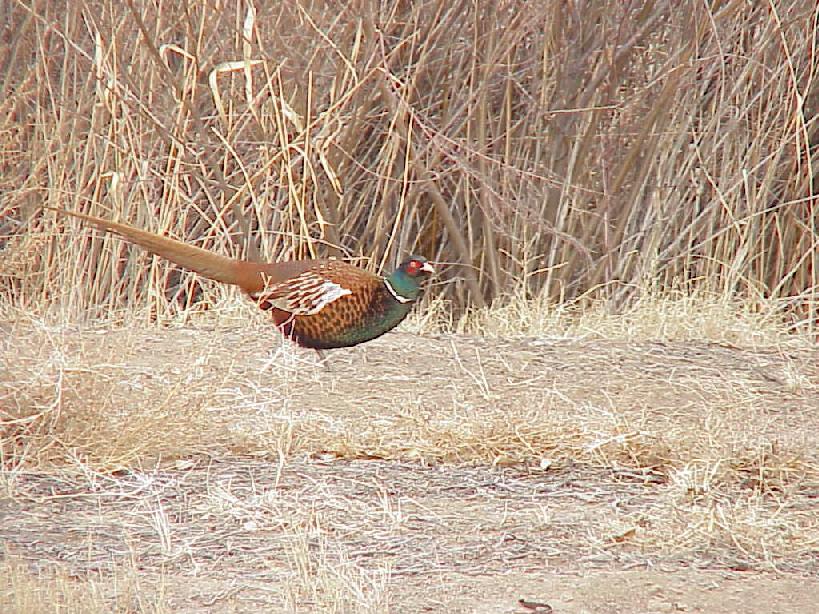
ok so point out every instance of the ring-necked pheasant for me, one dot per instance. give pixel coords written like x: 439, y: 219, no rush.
x: 320, y: 304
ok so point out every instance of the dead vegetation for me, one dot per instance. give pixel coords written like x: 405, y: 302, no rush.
x: 592, y: 149
x: 615, y: 376
x: 144, y: 456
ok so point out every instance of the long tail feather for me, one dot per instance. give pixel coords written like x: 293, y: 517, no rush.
x: 213, y: 266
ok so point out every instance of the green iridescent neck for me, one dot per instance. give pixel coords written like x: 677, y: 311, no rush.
x: 404, y: 286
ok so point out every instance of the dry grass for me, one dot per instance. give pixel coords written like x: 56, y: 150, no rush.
x: 65, y: 366
x: 712, y: 444
x: 665, y: 316
x: 618, y: 371
x: 164, y: 464
x: 134, y: 458
x: 590, y: 150
x: 315, y: 573
x: 56, y: 589
x: 23, y: 591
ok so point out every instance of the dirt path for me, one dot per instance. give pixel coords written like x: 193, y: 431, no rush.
x: 417, y: 474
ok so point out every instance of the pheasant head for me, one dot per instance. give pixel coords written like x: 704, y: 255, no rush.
x: 405, y: 281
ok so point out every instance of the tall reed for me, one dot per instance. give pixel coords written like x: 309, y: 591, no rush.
x: 584, y: 149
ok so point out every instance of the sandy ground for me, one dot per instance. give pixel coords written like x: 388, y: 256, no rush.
x: 412, y: 474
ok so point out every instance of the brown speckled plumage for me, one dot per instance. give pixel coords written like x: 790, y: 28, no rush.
x: 367, y: 307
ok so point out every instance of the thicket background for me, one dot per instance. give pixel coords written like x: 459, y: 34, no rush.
x: 595, y: 149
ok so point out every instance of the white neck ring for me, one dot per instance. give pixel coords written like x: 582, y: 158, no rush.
x: 395, y: 295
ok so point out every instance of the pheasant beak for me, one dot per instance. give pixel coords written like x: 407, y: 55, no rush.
x: 427, y: 268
